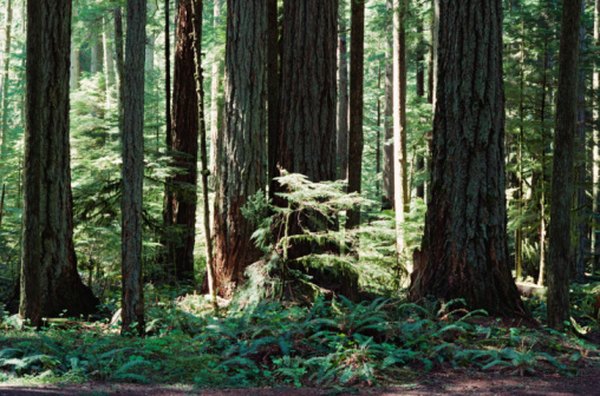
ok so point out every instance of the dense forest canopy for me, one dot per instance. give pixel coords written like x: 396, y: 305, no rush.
x: 375, y: 170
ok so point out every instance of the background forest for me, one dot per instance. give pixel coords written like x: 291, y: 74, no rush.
x: 255, y: 185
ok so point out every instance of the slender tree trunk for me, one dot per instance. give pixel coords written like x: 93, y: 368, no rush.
x: 2, y: 203
x: 388, y: 147
x: 464, y: 251
x: 520, y: 181
x: 119, y: 61
x: 399, y: 112
x: 274, y: 118
x: 181, y: 191
x: 243, y: 170
x: 197, y: 34
x: 5, y: 79
x: 559, y: 255
x: 543, y: 177
x: 342, y: 103
x: 95, y: 51
x: 167, y: 33
x: 50, y: 282
x: 379, y: 126
x: 582, y: 208
x: 421, y: 48
x: 216, y: 98
x: 356, y: 139
x: 150, y: 38
x: 596, y: 162
x: 108, y: 63
x: 133, y: 168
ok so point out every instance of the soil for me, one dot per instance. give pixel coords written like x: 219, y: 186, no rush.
x: 587, y: 382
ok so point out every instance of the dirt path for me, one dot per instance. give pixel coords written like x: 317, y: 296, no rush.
x: 452, y: 383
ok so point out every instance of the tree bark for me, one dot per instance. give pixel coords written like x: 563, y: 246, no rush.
x: 465, y: 253
x: 582, y: 212
x: 5, y: 79
x: 308, y: 108
x: 388, y: 147
x: 274, y: 117
x: 596, y: 123
x: 356, y: 139
x: 133, y: 169
x: 50, y: 282
x: 243, y: 167
x: 559, y: 252
x: 181, y: 194
x: 342, y: 103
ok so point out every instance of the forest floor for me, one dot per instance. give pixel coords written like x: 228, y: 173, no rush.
x: 587, y: 382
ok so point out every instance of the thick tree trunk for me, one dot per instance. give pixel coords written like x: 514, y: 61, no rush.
x: 388, y: 146
x: 465, y: 253
x: 133, y: 168
x: 181, y: 194
x: 342, y: 103
x: 559, y: 252
x: 50, y: 282
x: 308, y: 70
x: 355, y: 137
x: 243, y: 167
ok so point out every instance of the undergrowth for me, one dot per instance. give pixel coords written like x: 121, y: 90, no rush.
x: 329, y: 344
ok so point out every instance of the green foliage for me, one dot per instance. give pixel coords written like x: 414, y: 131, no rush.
x: 332, y: 343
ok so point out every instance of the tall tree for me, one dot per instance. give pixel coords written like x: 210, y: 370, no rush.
x: 308, y: 108
x: 181, y: 197
x: 596, y: 123
x: 342, y: 102
x: 50, y: 282
x: 355, y: 137
x: 243, y: 167
x: 559, y: 245
x: 4, y: 80
x: 216, y: 99
x: 273, y: 92
x: 133, y: 168
x: 464, y: 250
x: 388, y: 146
x: 399, y: 122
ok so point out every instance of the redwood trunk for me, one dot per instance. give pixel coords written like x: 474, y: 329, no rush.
x: 243, y: 168
x: 559, y: 243
x: 465, y: 253
x: 181, y: 190
x: 50, y: 282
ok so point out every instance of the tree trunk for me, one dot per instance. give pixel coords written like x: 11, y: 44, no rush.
x: 465, y: 253
x: 274, y: 118
x: 388, y: 147
x: 50, y: 282
x: 559, y: 254
x: 198, y: 79
x: 342, y: 103
x: 108, y: 63
x: 2, y: 203
x: 308, y: 108
x: 399, y: 116
x: 356, y: 139
x: 119, y: 60
x: 168, y: 121
x: 244, y: 167
x: 5, y: 79
x: 181, y: 191
x: 150, y: 39
x: 421, y: 48
x: 216, y: 98
x: 581, y: 205
x: 133, y: 168
x: 596, y: 123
